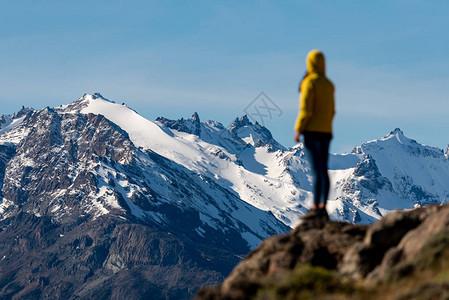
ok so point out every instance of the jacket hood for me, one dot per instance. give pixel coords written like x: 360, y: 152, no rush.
x: 315, y: 62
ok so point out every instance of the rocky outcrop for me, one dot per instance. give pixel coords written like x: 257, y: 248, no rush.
x: 350, y: 260
x: 261, y: 136
x: 370, y: 178
x: 191, y: 125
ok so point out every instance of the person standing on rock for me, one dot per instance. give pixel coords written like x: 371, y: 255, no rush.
x: 314, y: 122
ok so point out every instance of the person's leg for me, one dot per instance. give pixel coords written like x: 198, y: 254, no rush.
x: 323, y: 171
x: 311, y: 149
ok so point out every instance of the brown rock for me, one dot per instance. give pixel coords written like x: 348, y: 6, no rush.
x: 360, y: 252
x: 415, y: 239
x: 314, y: 243
x: 436, y: 221
x: 362, y: 258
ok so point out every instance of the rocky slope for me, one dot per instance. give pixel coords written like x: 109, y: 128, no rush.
x: 403, y: 256
x: 109, y: 258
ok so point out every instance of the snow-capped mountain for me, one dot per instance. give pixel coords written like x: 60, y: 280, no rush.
x: 195, y: 185
x: 88, y: 191
x: 245, y: 162
x: 393, y: 172
x: 97, y: 157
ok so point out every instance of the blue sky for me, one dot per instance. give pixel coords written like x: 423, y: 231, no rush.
x: 389, y: 60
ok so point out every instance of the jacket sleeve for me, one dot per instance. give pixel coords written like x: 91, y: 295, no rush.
x: 306, y: 101
x: 333, y: 102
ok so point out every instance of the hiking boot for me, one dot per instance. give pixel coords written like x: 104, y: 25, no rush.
x: 311, y: 214
x: 322, y: 212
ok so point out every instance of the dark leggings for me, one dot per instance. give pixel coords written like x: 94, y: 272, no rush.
x: 316, y: 148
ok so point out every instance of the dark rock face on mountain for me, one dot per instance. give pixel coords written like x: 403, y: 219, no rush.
x: 403, y: 256
x: 191, y: 125
x: 371, y: 179
x: 105, y: 258
x: 5, y: 120
x: 239, y: 128
x: 46, y: 160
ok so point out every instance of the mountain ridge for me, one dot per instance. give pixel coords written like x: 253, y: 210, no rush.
x: 172, y: 184
x: 79, y: 177
x: 209, y: 149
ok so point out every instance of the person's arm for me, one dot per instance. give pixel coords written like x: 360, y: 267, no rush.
x: 305, y: 108
x: 297, y: 136
x: 333, y: 93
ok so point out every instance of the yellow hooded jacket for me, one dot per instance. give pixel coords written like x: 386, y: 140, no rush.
x: 316, y: 101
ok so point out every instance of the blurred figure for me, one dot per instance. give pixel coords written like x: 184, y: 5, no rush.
x: 314, y: 122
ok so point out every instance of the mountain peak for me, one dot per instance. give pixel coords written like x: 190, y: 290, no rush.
x: 396, y: 140
x: 83, y: 102
x: 398, y: 134
x: 195, y: 117
x: 239, y: 123
x: 191, y: 125
x: 95, y: 96
x: 254, y: 134
x: 23, y: 111
x: 245, y: 120
x: 8, y: 122
x: 397, y: 131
